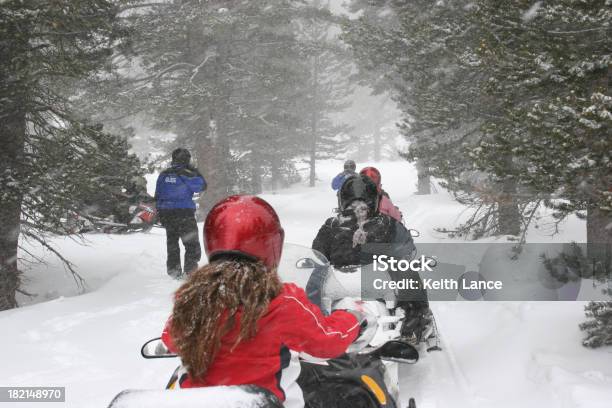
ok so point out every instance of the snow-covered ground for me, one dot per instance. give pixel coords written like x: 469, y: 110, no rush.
x: 502, y: 354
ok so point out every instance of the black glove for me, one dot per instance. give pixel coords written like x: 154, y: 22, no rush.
x: 362, y: 319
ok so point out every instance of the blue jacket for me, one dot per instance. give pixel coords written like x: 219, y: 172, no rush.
x: 176, y: 186
x: 339, y: 180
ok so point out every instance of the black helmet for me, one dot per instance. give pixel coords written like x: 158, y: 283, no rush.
x: 362, y: 188
x: 350, y: 165
x: 181, y: 156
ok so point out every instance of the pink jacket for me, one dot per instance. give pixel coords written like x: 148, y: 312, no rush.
x: 385, y: 206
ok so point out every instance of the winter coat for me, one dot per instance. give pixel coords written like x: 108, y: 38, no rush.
x: 291, y: 325
x: 341, y: 178
x: 384, y: 234
x: 176, y: 186
x: 386, y: 206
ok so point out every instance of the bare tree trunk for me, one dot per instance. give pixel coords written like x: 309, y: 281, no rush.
x: 313, y: 153
x: 377, y: 146
x: 508, y: 217
x: 314, y: 124
x: 212, y: 156
x: 214, y: 151
x: 423, y: 178
x: 276, y: 177
x: 13, y: 56
x: 12, y: 140
x: 360, y: 149
x: 207, y: 164
x: 599, y: 239
x: 599, y: 223
x: 256, y: 176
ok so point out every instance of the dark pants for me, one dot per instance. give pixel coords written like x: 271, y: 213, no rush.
x: 181, y: 225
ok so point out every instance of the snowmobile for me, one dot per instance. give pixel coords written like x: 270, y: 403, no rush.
x: 142, y: 218
x: 357, y: 281
x: 368, y: 378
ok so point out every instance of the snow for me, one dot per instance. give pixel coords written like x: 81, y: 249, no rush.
x: 509, y: 354
x: 221, y: 397
x: 532, y: 12
x: 502, y: 354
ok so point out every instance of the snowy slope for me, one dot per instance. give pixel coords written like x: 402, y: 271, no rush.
x: 504, y: 354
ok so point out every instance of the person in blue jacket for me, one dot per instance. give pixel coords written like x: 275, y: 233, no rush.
x: 174, y: 198
x: 349, y: 171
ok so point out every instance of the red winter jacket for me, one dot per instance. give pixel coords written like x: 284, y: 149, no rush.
x: 292, y: 322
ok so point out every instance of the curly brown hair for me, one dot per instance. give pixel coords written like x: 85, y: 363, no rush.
x: 205, y: 308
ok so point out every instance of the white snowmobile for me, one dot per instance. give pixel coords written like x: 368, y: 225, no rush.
x: 368, y: 378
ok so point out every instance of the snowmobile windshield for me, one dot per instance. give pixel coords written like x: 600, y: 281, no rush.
x: 324, y: 285
x: 299, y: 263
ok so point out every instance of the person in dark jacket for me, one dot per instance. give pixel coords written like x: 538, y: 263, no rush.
x: 360, y: 231
x: 359, y: 223
x: 349, y: 171
x: 174, y: 198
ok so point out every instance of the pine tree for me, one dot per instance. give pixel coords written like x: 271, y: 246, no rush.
x: 599, y: 326
x: 509, y: 102
x: 570, y: 112
x: 225, y: 77
x: 423, y: 50
x: 229, y: 79
x: 373, y: 134
x: 326, y: 89
x: 548, y: 65
x: 49, y: 156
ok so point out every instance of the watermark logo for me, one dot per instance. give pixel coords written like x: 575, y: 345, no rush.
x: 384, y: 263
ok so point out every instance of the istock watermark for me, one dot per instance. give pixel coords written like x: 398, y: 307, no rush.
x: 490, y: 271
x: 384, y: 263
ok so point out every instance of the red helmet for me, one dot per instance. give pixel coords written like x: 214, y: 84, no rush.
x: 373, y: 173
x: 244, y: 225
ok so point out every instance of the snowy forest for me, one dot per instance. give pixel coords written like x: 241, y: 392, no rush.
x: 505, y: 106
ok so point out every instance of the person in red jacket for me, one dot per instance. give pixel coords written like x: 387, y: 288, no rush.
x: 385, y: 205
x: 235, y: 323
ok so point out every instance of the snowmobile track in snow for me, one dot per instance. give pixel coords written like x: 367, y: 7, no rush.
x: 436, y: 381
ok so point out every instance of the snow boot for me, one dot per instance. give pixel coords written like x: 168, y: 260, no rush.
x: 418, y: 323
